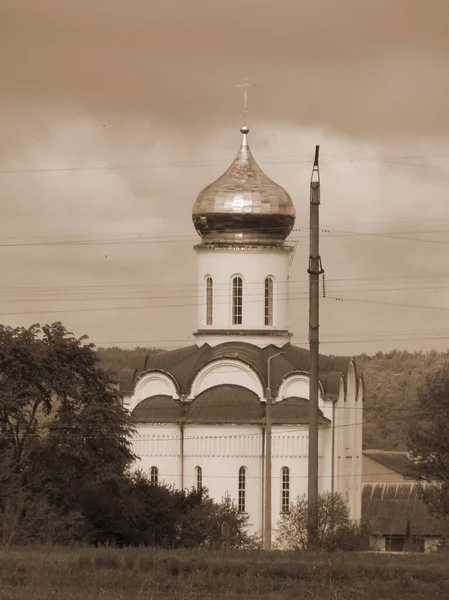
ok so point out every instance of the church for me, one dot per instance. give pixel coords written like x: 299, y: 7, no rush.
x: 200, y: 410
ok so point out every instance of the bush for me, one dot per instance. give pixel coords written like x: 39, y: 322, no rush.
x: 335, y: 528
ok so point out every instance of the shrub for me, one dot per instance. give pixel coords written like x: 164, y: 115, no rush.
x: 335, y: 528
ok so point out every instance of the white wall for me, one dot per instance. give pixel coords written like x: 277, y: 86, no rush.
x: 253, y: 265
x: 348, y: 445
x: 220, y: 452
x: 159, y: 446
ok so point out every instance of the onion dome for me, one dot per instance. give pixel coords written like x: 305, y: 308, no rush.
x: 243, y: 205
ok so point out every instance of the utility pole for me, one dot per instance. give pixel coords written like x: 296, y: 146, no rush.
x: 315, y: 270
x: 268, y: 427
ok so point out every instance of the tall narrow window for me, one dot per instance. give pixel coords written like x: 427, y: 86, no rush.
x: 209, y: 300
x: 237, y: 301
x: 242, y: 489
x: 154, y: 475
x: 285, y: 490
x: 269, y: 301
x: 199, y: 478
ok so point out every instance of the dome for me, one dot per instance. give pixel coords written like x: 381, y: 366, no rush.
x: 243, y: 205
x: 226, y: 404
x: 158, y: 409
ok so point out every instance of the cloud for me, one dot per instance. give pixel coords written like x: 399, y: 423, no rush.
x: 376, y: 69
x: 148, y: 89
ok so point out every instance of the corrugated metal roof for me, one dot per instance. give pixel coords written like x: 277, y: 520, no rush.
x: 183, y: 364
x: 394, y: 460
x: 397, y: 509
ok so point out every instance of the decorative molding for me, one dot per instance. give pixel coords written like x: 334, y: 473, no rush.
x: 156, y: 376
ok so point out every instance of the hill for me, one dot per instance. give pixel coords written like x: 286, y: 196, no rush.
x: 391, y: 383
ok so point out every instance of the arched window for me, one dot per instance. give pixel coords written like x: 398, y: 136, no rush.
x: 199, y: 478
x: 209, y: 300
x: 154, y: 475
x: 242, y: 489
x: 269, y: 301
x: 237, y: 301
x: 285, y: 490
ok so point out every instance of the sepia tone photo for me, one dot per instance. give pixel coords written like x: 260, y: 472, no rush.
x: 224, y: 364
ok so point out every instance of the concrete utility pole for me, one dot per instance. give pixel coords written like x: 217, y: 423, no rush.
x: 268, y: 424
x: 315, y: 270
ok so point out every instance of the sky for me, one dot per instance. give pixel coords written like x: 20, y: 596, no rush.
x: 114, y: 115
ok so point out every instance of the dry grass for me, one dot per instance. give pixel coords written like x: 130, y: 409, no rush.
x: 113, y: 574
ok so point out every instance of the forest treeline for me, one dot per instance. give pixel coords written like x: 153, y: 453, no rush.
x: 391, y: 383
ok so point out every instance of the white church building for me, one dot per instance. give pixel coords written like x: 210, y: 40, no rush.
x: 200, y: 410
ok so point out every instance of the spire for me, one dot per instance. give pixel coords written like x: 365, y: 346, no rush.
x: 245, y: 84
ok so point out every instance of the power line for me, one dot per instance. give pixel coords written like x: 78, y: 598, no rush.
x: 223, y: 162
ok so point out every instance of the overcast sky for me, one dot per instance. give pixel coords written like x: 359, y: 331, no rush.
x: 114, y: 115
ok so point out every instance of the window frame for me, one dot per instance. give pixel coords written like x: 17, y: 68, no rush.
x: 269, y: 301
x: 241, y: 504
x: 285, y: 490
x: 199, y: 478
x: 237, y: 300
x: 209, y: 300
x: 154, y: 475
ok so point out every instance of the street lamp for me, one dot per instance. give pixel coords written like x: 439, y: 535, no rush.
x: 268, y: 424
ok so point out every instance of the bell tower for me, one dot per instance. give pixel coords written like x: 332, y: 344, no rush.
x: 243, y: 219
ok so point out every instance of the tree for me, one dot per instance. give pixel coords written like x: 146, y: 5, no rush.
x: 335, y: 528
x: 62, y: 424
x: 428, y: 440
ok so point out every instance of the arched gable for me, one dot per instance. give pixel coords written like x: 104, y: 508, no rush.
x: 153, y: 383
x: 225, y: 371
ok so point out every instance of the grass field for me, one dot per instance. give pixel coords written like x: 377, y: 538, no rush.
x: 113, y: 574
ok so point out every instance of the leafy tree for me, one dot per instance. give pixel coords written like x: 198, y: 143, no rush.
x: 335, y: 528
x: 132, y: 511
x: 62, y: 425
x: 429, y: 439
x: 53, y: 387
x: 216, y: 525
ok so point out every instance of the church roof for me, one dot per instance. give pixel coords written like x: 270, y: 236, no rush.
x: 222, y: 404
x: 225, y: 404
x: 291, y: 410
x: 183, y: 365
x: 158, y: 409
x: 243, y: 205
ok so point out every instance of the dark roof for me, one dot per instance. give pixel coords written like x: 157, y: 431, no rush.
x: 293, y: 410
x: 184, y: 363
x: 225, y: 404
x: 396, y: 509
x: 394, y: 460
x: 158, y: 409
x: 219, y: 405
